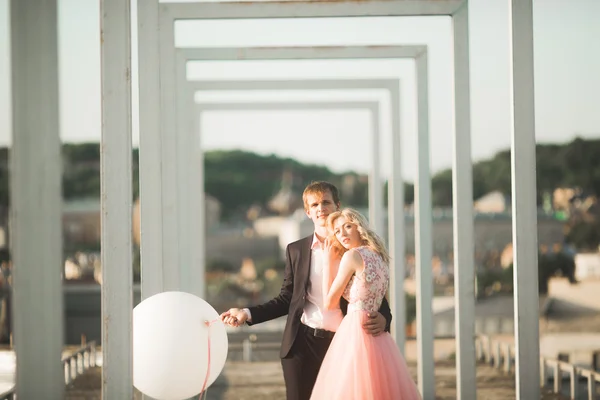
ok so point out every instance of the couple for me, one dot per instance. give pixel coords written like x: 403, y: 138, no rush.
x: 361, y: 361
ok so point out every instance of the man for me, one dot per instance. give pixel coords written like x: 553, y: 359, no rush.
x: 309, y: 328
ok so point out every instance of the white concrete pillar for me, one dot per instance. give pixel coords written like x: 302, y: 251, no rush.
x: 524, y: 204
x: 375, y: 187
x: 423, y: 238
x: 193, y: 277
x: 184, y: 136
x: 463, y: 222
x: 396, y: 226
x: 150, y: 164
x: 36, y: 201
x: 116, y: 198
x: 198, y: 273
x: 171, y: 196
x: 192, y: 267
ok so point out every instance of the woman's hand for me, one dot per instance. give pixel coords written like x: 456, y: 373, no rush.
x: 332, y: 251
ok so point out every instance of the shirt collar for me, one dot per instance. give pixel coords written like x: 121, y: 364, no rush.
x: 316, y: 243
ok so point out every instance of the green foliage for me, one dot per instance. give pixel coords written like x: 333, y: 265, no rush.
x: 409, y: 193
x: 553, y: 264
x: 81, y: 181
x: 81, y: 153
x: 220, y: 265
x: 441, y: 186
x: 494, y: 280
x: 574, y: 164
x: 585, y: 235
x: 239, y: 179
x: 491, y: 281
x: 81, y: 172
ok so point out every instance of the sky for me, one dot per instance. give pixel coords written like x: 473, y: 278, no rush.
x: 567, y: 82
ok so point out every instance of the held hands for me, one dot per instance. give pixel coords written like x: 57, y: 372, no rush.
x: 235, y: 317
x: 375, y: 323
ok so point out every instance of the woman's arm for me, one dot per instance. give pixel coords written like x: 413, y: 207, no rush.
x: 331, y: 262
x: 351, y: 262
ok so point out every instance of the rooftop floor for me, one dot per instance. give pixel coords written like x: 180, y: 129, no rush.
x: 264, y: 381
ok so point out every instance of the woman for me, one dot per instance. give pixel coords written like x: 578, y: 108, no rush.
x: 358, y: 365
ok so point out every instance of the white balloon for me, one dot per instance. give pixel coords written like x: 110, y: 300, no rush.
x: 170, y: 345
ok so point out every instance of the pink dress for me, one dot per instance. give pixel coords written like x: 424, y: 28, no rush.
x: 358, y: 365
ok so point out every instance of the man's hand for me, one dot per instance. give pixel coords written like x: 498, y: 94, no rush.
x: 234, y: 317
x: 375, y: 323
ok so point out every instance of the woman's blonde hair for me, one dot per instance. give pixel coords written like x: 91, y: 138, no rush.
x: 368, y: 236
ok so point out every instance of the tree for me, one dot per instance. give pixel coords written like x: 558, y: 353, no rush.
x: 584, y: 235
x: 239, y: 179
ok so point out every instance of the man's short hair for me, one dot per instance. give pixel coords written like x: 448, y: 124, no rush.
x: 321, y: 187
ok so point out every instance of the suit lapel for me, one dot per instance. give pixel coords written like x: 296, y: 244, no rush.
x: 304, y: 264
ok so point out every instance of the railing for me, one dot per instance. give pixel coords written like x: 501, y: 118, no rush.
x: 251, y: 349
x: 248, y: 346
x: 79, y: 361
x: 502, y: 356
x: 74, y: 364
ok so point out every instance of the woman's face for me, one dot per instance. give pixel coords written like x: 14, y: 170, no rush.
x: 346, y: 233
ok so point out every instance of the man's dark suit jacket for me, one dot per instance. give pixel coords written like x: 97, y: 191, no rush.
x: 292, y: 296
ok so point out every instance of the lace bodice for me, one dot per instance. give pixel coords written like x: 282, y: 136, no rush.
x: 365, y: 291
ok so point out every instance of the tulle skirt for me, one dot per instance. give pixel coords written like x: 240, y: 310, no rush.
x: 363, y: 367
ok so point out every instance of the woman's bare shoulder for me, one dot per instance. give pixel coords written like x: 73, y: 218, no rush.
x: 354, y: 256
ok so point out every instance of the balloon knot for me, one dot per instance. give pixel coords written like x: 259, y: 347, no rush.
x: 209, y: 323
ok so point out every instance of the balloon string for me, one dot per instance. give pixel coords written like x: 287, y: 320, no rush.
x: 208, y: 324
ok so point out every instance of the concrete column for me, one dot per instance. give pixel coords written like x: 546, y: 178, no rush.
x: 463, y: 222
x: 198, y: 274
x: 396, y: 226
x: 171, y: 195
x: 36, y: 201
x: 151, y: 220
x: 524, y: 201
x: 116, y: 197
x: 186, y: 174
x: 375, y: 186
x: 423, y: 238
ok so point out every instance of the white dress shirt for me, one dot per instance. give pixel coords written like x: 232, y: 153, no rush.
x: 314, y: 314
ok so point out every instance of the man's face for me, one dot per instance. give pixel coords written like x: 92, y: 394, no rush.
x: 320, y: 205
